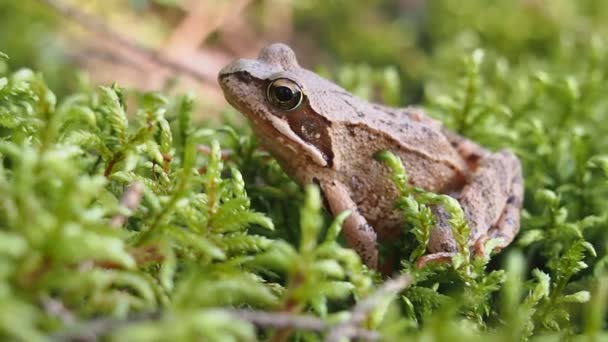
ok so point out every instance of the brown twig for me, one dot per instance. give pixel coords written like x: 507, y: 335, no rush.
x: 349, y: 327
x: 299, y: 322
x: 130, y: 200
x: 204, y: 18
x: 94, y: 25
x: 106, y: 55
x: 94, y: 329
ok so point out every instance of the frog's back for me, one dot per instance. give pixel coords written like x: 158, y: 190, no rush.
x: 417, y: 139
x: 429, y: 159
x: 369, y: 180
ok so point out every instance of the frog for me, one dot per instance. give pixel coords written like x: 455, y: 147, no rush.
x: 322, y: 134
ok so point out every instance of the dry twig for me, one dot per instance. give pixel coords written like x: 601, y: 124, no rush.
x: 299, y: 322
x: 348, y: 328
x: 96, y: 26
x: 97, y: 328
x: 203, y: 18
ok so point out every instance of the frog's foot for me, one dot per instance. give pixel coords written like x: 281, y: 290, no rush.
x: 491, y: 202
x: 439, y: 257
x: 480, y: 244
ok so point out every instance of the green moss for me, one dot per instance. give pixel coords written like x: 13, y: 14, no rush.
x: 208, y: 234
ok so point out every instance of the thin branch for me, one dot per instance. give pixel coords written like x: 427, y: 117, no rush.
x: 203, y: 19
x: 95, y: 329
x: 363, y: 308
x: 94, y: 25
x: 299, y: 322
x: 389, y: 288
x: 105, y: 55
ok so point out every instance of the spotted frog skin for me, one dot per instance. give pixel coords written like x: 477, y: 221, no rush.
x: 322, y: 134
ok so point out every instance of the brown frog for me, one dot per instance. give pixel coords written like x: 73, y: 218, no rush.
x: 322, y: 134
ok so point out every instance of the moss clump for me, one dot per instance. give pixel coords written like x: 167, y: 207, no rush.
x: 108, y: 216
x: 130, y: 223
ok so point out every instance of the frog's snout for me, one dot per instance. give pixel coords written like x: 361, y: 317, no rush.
x: 238, y: 66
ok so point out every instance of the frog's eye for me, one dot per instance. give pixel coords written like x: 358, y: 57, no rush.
x: 284, y: 94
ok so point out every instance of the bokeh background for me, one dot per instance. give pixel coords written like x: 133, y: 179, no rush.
x: 528, y: 75
x: 421, y: 41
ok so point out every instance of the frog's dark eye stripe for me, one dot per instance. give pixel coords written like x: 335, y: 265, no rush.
x: 284, y: 94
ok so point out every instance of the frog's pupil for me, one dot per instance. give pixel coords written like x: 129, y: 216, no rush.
x: 283, y: 94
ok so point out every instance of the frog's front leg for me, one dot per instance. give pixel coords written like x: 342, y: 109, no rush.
x: 359, y: 234
x: 491, y: 201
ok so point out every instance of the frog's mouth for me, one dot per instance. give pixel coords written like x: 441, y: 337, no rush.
x: 282, y: 136
x: 282, y: 126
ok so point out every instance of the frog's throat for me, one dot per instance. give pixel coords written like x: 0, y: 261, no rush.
x: 283, y: 127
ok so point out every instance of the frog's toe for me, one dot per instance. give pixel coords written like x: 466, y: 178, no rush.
x: 439, y: 257
x: 479, y: 245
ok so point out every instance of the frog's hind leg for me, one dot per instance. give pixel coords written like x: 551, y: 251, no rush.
x: 491, y: 202
x: 359, y: 234
x: 508, y: 224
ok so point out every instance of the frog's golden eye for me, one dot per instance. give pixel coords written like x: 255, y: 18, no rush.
x: 284, y: 94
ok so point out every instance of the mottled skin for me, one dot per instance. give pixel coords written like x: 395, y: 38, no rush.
x: 331, y: 138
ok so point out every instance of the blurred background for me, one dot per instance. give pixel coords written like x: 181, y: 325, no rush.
x: 528, y: 75
x: 177, y: 45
